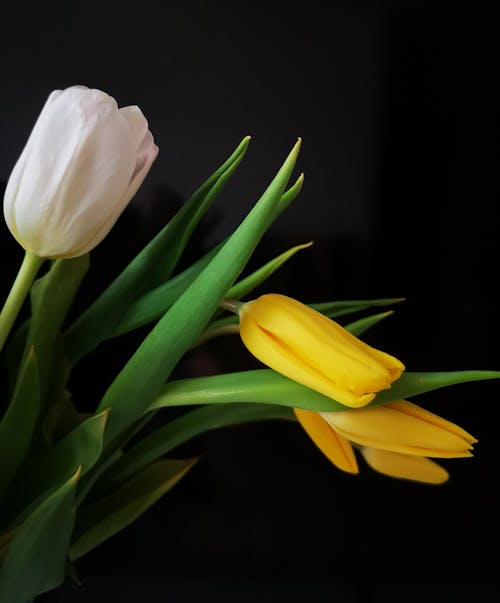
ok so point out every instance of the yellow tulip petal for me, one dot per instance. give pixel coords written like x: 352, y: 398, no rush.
x: 392, y: 364
x: 425, y: 415
x: 283, y: 360
x: 336, y: 448
x: 416, y: 468
x: 323, y: 344
x: 390, y: 428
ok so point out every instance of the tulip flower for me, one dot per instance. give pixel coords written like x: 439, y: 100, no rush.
x: 84, y: 161
x: 395, y: 439
x: 309, y: 348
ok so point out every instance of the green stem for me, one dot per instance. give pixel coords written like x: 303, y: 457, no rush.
x: 233, y: 305
x: 20, y: 289
x: 216, y: 332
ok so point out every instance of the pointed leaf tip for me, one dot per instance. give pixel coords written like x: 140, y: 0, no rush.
x: 294, y: 153
x: 245, y: 141
x: 76, y: 476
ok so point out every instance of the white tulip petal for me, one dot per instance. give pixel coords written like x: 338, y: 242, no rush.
x: 83, y: 162
x: 137, y: 123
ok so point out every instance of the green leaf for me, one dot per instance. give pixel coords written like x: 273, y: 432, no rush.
x: 412, y: 384
x: 340, y: 308
x: 152, y: 305
x: 5, y: 539
x: 261, y: 386
x: 288, y: 197
x: 358, y: 327
x: 268, y: 387
x: 102, y: 519
x: 61, y: 416
x: 184, y: 428
x: 243, y: 287
x: 151, y: 267
x: 79, y: 448
x: 51, y: 297
x: 18, y: 423
x: 35, y: 559
x: 215, y: 325
x: 140, y: 381
x: 13, y: 354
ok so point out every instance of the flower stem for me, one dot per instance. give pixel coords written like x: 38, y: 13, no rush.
x: 216, y: 332
x: 233, y: 305
x: 20, y: 289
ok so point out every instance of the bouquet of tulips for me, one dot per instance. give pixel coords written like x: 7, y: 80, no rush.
x: 70, y: 479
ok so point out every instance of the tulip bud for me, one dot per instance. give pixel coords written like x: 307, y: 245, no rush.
x: 402, y: 427
x: 309, y: 348
x: 84, y: 161
x: 395, y: 439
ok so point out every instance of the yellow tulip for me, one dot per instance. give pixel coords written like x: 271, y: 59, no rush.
x: 309, y: 348
x: 394, y: 439
x: 405, y: 466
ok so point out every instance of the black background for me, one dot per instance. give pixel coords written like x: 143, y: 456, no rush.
x: 396, y: 107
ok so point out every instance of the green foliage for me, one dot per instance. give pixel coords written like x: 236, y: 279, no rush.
x: 337, y: 308
x: 151, y: 267
x: 80, y: 449
x: 35, y: 559
x: 46, y: 445
x: 358, y: 327
x: 152, y: 305
x: 18, y: 424
x: 166, y: 438
x: 51, y: 297
x: 243, y: 287
x: 100, y: 520
x: 264, y: 386
x: 140, y: 381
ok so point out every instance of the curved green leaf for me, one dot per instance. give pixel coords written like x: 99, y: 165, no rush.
x: 13, y: 353
x: 268, y: 387
x: 413, y: 384
x: 358, y: 327
x: 79, y: 448
x: 340, y: 308
x: 261, y: 386
x: 151, y: 267
x: 241, y: 288
x: 102, y: 519
x: 140, y: 381
x: 36, y: 556
x: 18, y: 423
x: 288, y: 197
x: 51, y: 297
x: 152, y: 305
x: 184, y: 428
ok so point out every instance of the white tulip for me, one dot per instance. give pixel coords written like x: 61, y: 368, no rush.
x: 84, y: 161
